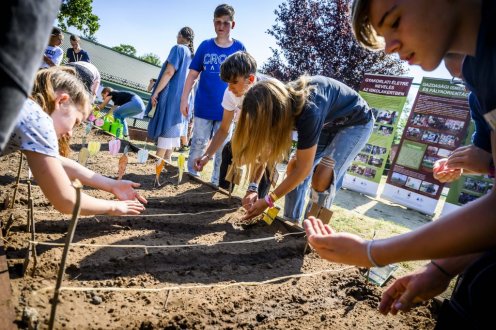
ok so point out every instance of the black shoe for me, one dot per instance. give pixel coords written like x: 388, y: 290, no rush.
x: 183, y: 149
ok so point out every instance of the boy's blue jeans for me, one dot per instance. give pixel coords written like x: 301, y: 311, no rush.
x: 203, y: 131
x: 342, y: 146
x: 129, y: 109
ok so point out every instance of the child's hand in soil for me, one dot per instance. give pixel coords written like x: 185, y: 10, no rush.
x: 126, y: 208
x: 249, y: 199
x: 406, y: 291
x: 124, y: 191
x: 256, y: 209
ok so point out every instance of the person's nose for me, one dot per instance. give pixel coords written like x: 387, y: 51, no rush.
x: 393, y: 45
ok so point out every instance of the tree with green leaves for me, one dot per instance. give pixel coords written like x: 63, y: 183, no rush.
x: 79, y: 14
x: 125, y: 49
x: 315, y: 37
x: 151, y: 58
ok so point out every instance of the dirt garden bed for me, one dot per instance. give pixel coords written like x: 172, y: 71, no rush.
x: 201, y: 269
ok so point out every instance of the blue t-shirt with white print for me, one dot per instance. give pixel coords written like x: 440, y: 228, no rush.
x: 207, y: 61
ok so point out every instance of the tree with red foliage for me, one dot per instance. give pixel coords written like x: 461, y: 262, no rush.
x: 315, y: 37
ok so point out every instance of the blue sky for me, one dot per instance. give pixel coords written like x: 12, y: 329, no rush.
x: 151, y: 26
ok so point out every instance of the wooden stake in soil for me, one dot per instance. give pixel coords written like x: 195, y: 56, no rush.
x: 32, y: 229
x: 17, y: 182
x: 68, y: 240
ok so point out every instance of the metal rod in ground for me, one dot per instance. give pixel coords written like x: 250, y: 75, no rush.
x: 31, y: 251
x: 167, y: 299
x: 30, y: 208
x: 17, y: 182
x: 33, y: 233
x: 68, y: 241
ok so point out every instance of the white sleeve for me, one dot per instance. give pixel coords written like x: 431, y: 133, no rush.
x: 58, y: 56
x: 230, y: 101
x: 34, y: 131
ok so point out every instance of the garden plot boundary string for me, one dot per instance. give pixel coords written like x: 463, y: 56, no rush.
x: 248, y: 241
x: 152, y: 215
x: 205, y: 286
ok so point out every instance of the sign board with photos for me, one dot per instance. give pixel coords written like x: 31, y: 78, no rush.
x: 437, y: 125
x: 386, y: 95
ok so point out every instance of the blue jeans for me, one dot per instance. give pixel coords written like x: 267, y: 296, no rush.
x: 203, y: 130
x: 129, y: 109
x: 342, y: 146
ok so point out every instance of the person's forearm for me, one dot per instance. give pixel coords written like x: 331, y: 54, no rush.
x: 188, y: 84
x: 290, y: 182
x: 456, y: 265
x: 87, y: 177
x: 467, y: 230
x: 216, y: 142
x: 164, y: 81
x: 48, y: 61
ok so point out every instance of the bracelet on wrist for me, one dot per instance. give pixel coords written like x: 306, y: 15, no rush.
x: 441, y: 269
x: 369, y: 254
x: 269, y: 201
x: 208, y: 156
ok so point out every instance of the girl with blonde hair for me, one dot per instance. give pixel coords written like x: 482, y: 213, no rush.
x: 332, y: 122
x: 59, y: 102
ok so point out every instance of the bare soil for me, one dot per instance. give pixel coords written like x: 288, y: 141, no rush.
x: 268, y: 284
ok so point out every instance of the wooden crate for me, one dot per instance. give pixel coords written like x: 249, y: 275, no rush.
x: 138, y: 134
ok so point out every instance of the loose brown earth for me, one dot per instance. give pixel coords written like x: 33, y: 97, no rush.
x: 333, y: 296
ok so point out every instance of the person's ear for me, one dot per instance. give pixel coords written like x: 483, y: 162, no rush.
x: 62, y: 98
x: 233, y: 24
x: 251, y: 78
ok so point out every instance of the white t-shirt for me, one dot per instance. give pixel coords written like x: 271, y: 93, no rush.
x: 55, y: 53
x: 33, y: 131
x: 231, y: 102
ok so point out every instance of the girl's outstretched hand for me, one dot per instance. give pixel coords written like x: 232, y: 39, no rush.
x: 336, y: 247
x: 126, y: 208
x: 124, y: 191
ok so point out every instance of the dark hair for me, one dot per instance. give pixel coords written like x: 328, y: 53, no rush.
x: 223, y: 10
x: 107, y: 90
x: 362, y: 26
x: 188, y: 34
x: 56, y: 31
x: 74, y: 37
x: 238, y: 64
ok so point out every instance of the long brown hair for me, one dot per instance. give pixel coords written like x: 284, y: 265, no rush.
x: 48, y: 82
x: 267, y: 119
x: 188, y: 34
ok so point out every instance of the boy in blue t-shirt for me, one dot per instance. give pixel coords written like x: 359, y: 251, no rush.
x: 208, y: 108
x: 53, y: 53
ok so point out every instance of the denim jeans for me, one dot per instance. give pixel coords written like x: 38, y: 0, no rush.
x: 342, y: 146
x: 129, y: 109
x: 203, y: 130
